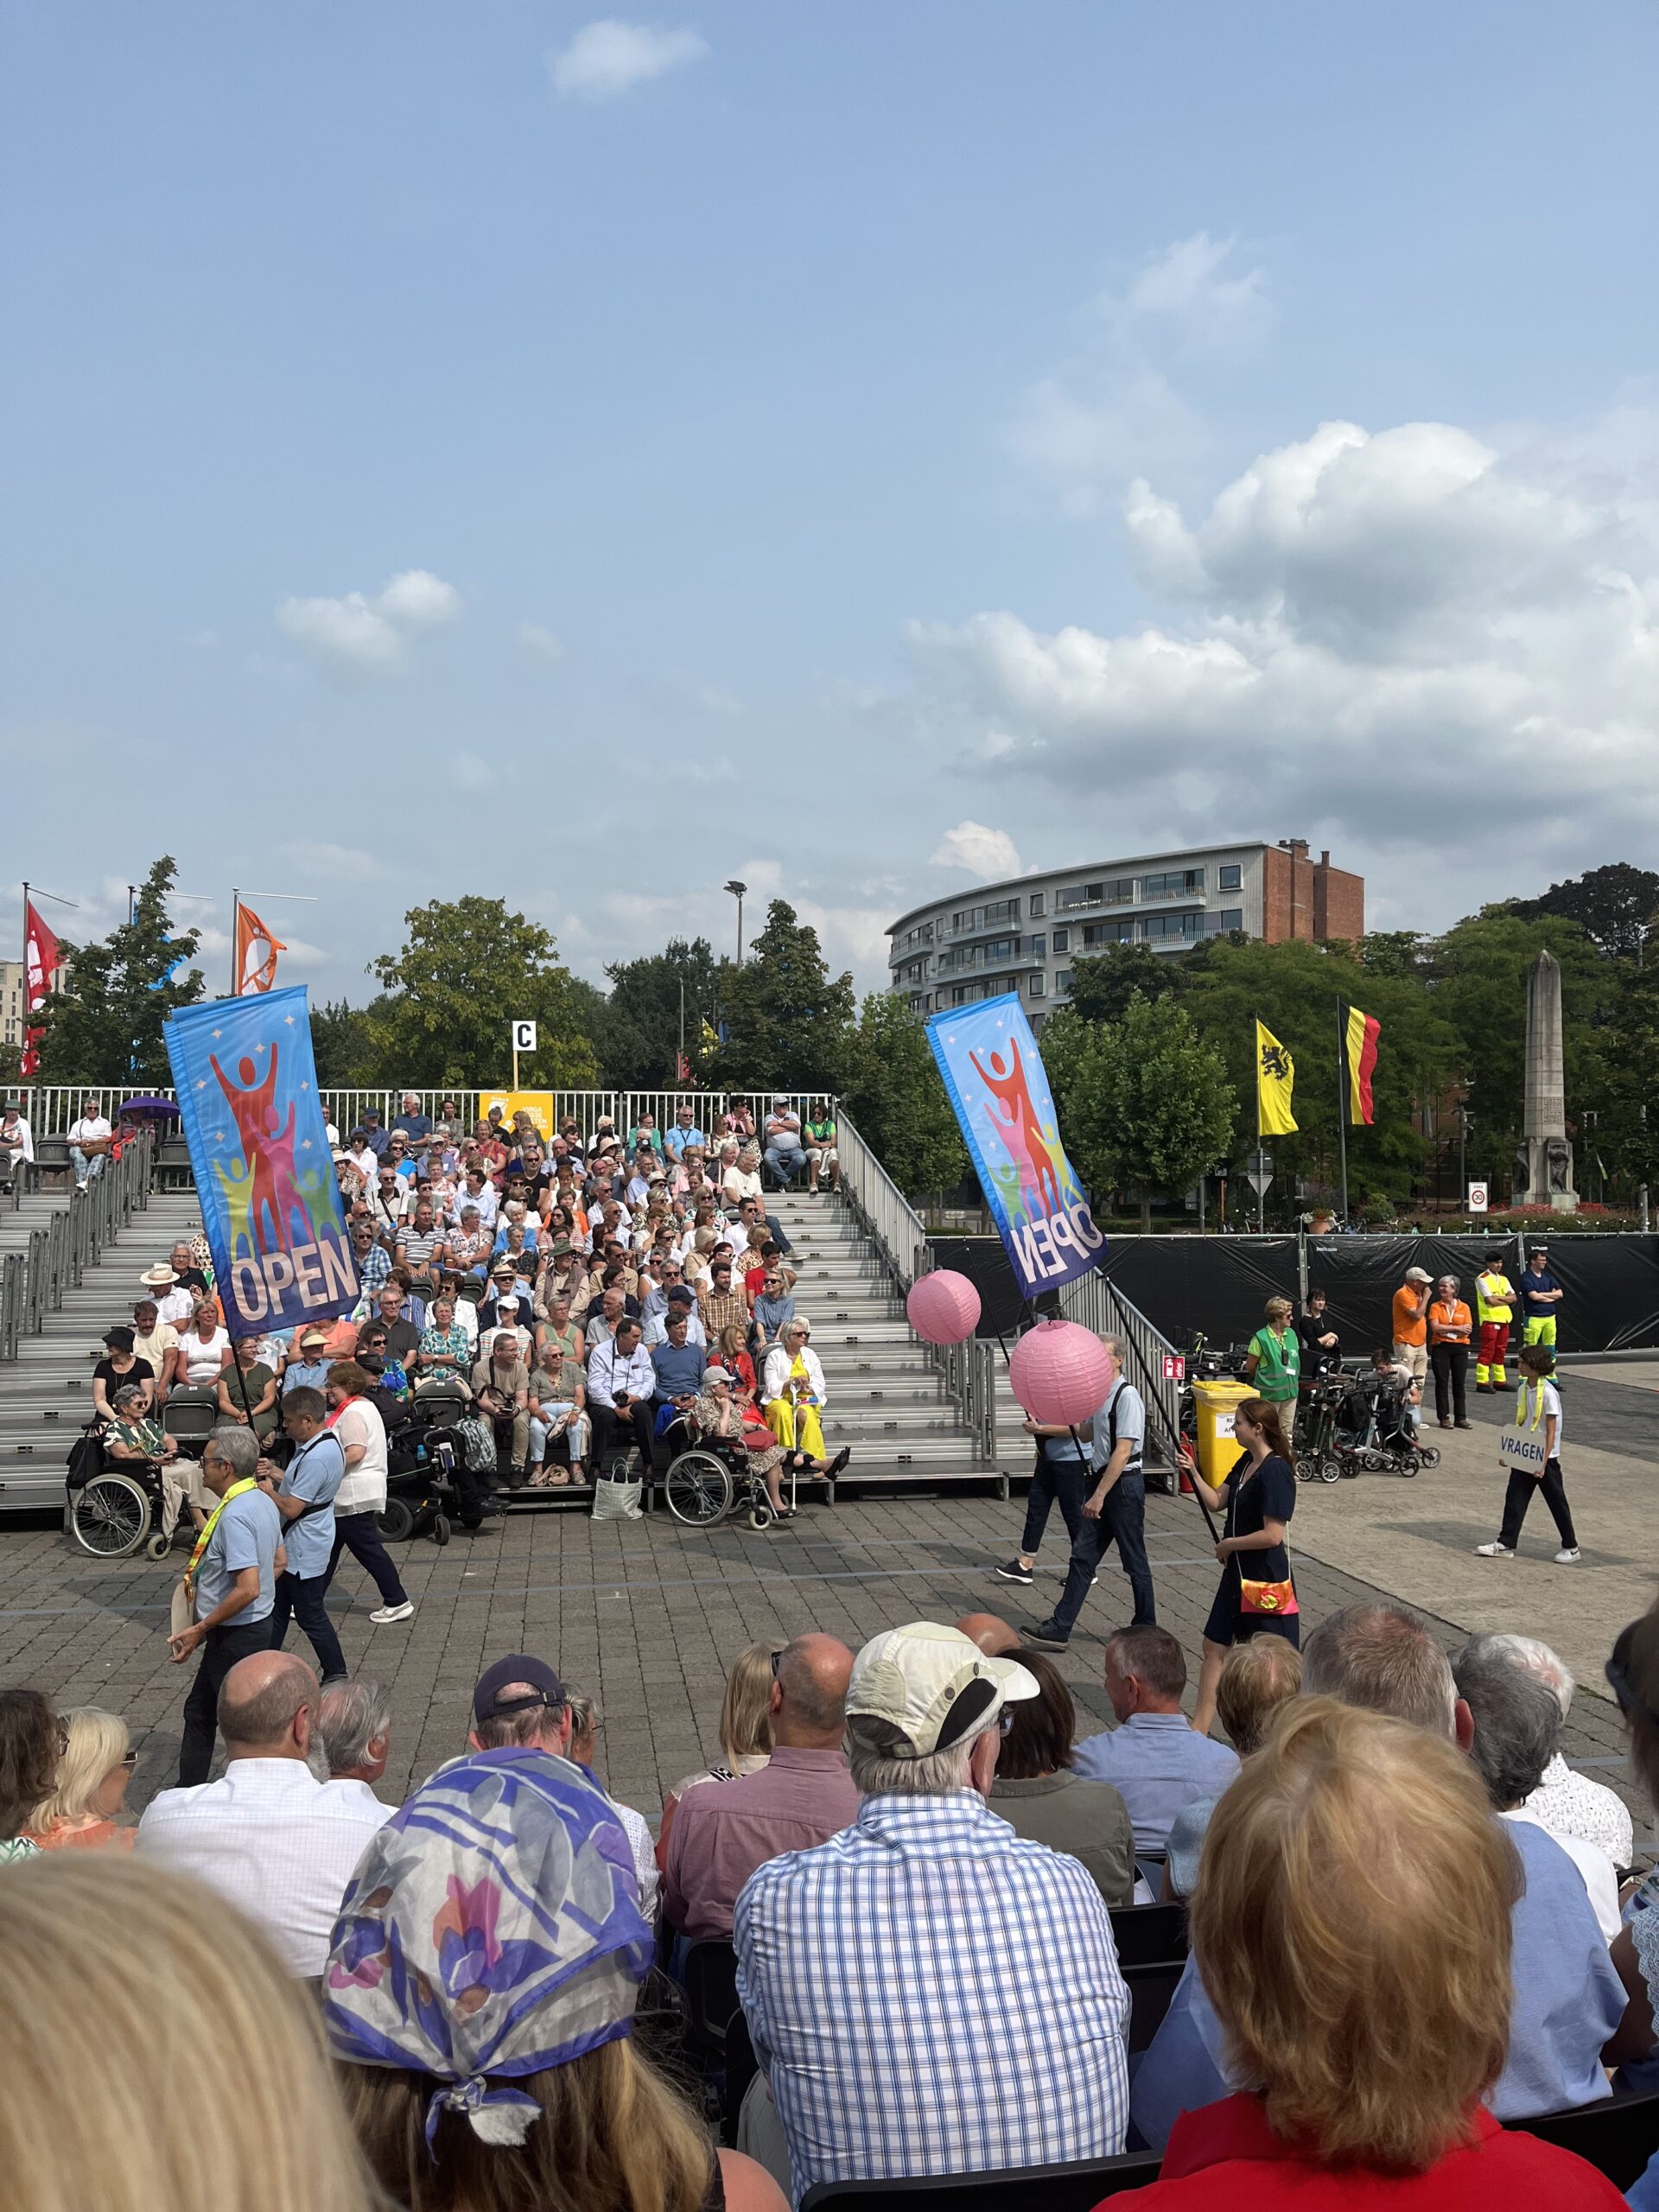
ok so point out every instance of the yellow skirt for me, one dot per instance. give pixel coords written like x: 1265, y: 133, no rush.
x: 796, y: 1427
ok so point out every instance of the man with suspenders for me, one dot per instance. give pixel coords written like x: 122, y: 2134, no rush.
x: 1114, y: 1510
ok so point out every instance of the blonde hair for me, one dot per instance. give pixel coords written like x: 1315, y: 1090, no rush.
x: 612, y: 2137
x: 180, y: 1995
x: 1351, y: 1924
x: 98, y: 1742
x: 746, y: 1710
x: 1278, y: 1309
x: 1257, y: 1679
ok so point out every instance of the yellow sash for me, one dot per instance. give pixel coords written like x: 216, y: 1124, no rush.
x: 1520, y: 1420
x: 236, y: 1489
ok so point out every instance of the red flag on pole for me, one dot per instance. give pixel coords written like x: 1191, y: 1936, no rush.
x: 256, y: 952
x: 43, y: 961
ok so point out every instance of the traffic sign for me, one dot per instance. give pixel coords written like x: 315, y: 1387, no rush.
x: 1477, y: 1197
x: 1261, y: 1180
x: 523, y: 1036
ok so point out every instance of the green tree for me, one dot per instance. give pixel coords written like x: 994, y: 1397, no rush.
x: 789, y: 1021
x: 894, y: 1094
x: 467, y: 970
x: 641, y: 1041
x: 1227, y: 986
x: 106, y: 1027
x: 1153, y: 1104
x: 342, y: 1039
x: 1102, y: 983
x: 1616, y: 906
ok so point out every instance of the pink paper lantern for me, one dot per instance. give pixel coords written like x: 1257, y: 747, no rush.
x: 943, y: 1308
x: 1060, y: 1373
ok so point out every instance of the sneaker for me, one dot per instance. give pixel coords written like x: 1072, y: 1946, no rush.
x: 1493, y: 1551
x: 384, y: 1616
x: 1046, y: 1638
x: 1565, y: 1558
x: 1014, y: 1572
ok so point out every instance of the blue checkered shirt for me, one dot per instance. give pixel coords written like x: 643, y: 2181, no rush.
x: 375, y: 1270
x: 929, y: 1993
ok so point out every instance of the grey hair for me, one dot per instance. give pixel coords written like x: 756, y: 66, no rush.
x: 1383, y: 1659
x: 127, y: 1390
x: 1550, y: 1668
x: 879, y: 1771
x: 1517, y: 1720
x: 349, y: 1717
x: 238, y: 1448
x: 585, y: 1715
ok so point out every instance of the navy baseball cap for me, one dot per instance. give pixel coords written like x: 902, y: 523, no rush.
x: 545, y: 1687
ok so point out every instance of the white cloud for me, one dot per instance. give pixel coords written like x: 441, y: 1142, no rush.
x: 985, y: 852
x: 356, y: 633
x: 1415, y: 637
x: 471, y: 773
x: 315, y: 856
x: 540, y: 643
x: 607, y: 59
x: 1115, y: 409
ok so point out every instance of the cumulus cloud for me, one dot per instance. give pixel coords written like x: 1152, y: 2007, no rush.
x: 1117, y: 407
x: 540, y: 643
x: 607, y: 59
x: 357, y: 633
x: 985, y: 852
x: 1412, y: 636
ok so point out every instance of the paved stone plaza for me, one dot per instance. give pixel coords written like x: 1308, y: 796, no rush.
x: 647, y: 1615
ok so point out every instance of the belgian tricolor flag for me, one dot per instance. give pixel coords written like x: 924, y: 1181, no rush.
x: 1359, y: 1034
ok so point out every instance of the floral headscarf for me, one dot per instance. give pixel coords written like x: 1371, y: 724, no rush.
x: 493, y: 1928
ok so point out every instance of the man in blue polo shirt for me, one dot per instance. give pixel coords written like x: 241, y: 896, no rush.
x: 231, y: 1583
x: 685, y: 1132
x: 303, y: 1494
x: 1154, y: 1758
x: 1540, y: 1295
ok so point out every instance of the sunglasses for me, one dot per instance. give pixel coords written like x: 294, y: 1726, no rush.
x: 129, y: 1758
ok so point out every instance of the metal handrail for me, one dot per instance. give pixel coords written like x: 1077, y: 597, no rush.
x: 1095, y: 1302
x: 968, y: 1370
x: 32, y: 1283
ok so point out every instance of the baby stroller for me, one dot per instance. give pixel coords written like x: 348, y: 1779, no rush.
x: 705, y: 1482
x: 114, y: 1508
x: 426, y: 1471
x: 1387, y: 1443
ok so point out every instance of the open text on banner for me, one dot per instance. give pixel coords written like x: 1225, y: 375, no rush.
x: 994, y: 1079
x: 247, y: 1093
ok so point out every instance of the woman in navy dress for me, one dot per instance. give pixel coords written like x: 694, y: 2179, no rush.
x: 1259, y: 1496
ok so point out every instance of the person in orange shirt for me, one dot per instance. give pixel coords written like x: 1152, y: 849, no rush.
x: 1411, y: 1324
x: 1451, y: 1325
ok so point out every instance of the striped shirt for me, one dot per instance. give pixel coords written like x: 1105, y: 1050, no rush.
x: 929, y: 1993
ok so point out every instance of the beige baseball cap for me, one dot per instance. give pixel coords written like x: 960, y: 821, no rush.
x: 933, y: 1685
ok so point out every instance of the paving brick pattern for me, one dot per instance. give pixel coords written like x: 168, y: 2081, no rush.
x: 645, y: 1615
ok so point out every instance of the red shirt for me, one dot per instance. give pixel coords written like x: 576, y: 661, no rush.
x: 1226, y: 2155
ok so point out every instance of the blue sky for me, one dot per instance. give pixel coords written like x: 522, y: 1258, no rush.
x: 858, y: 449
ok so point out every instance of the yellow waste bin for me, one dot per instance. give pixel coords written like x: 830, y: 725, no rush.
x: 1216, y: 1404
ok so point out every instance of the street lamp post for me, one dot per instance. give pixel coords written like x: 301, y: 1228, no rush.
x: 737, y: 891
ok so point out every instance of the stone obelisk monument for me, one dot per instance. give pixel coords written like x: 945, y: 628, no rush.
x: 1543, y: 1166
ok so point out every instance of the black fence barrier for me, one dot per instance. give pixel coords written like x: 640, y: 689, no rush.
x: 1219, y: 1285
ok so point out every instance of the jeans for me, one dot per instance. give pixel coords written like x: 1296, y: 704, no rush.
x: 577, y: 1435
x: 300, y: 1597
x: 359, y: 1533
x: 220, y: 1649
x: 1123, y: 1521
x: 85, y: 1170
x: 1518, y: 1497
x: 785, y: 1165
x: 1064, y: 1483
x: 1451, y: 1363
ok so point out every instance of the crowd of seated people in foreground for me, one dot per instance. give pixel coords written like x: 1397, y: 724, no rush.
x: 1406, y: 1936
x: 583, y: 1297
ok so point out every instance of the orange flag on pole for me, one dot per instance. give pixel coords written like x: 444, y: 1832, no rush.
x: 256, y: 952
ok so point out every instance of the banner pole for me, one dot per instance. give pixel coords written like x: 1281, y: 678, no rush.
x: 1260, y: 1194
x: 236, y: 942
x: 1342, y: 1104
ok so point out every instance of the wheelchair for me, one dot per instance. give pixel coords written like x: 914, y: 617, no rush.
x: 707, y: 1481
x: 119, y: 1508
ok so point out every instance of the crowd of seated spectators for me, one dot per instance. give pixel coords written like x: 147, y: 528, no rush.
x: 574, y: 1292
x: 1404, y: 1937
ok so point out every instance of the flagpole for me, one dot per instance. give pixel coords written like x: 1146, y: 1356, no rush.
x: 1260, y: 1194
x: 1342, y: 1104
x: 236, y: 943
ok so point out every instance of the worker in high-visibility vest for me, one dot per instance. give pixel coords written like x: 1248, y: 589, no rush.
x: 1494, y: 1310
